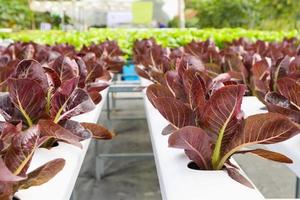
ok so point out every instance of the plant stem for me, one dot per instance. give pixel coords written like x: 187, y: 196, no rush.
x: 29, y: 121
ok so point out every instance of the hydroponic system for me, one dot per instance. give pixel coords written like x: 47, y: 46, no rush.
x: 208, y: 94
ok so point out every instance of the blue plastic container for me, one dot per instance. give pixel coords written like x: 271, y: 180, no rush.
x: 129, y: 73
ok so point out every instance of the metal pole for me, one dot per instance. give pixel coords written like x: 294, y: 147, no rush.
x: 62, y: 15
x: 297, y: 188
x: 181, y: 7
x: 73, y: 13
x: 108, y: 105
x: 73, y: 196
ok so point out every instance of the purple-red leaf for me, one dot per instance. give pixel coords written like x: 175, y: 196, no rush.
x: 266, y: 128
x: 97, y: 86
x: 5, y: 72
x: 290, y: 89
x: 29, y: 97
x: 52, y: 77
x: 280, y: 104
x: 6, y: 175
x: 175, y: 111
x: 196, y: 144
x: 168, y: 130
x: 270, y: 155
x: 94, y: 70
x: 69, y: 101
x: 55, y: 131
x: 222, y: 114
x: 77, y: 129
x: 176, y: 85
x: 31, y: 69
x: 20, y: 152
x: 155, y: 91
x: 98, y: 132
x: 65, y: 68
x: 235, y: 175
x: 197, y: 96
x: 142, y: 72
x: 8, y: 132
x: 95, y: 96
x: 43, y: 174
x: 7, y: 109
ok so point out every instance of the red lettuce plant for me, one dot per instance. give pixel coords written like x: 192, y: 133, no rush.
x: 266, y: 75
x: 210, y: 126
x: 49, y: 98
x: 152, y: 60
x: 286, y: 100
x: 6, y: 70
x: 107, y: 53
x: 91, y: 74
x: 208, y: 53
x: 17, y: 149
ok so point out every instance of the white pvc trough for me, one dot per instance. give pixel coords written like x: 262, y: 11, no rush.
x: 61, y: 186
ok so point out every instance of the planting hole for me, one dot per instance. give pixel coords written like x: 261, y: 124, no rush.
x: 193, y: 165
x: 263, y: 108
x: 55, y: 144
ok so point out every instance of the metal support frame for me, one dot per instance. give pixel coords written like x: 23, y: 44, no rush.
x: 73, y: 196
x: 100, y: 159
x: 119, y: 86
x: 113, y: 98
x: 297, y: 195
x: 108, y: 106
x: 98, y: 165
x: 181, y: 8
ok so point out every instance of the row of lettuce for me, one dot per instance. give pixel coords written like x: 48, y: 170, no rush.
x: 199, y: 89
x: 166, y: 37
x: 41, y: 89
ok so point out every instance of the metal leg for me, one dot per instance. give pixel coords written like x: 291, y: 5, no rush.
x: 100, y: 168
x: 113, y: 98
x: 97, y: 175
x: 108, y: 105
x: 73, y: 196
x: 99, y: 163
x: 297, y: 188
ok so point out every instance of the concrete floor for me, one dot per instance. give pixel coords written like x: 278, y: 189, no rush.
x: 136, y: 178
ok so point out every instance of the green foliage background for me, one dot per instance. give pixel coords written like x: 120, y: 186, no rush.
x: 17, y: 15
x: 250, y: 14
x: 258, y: 14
